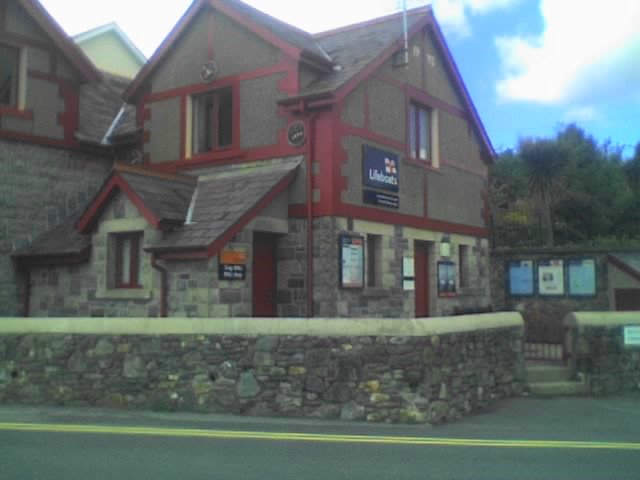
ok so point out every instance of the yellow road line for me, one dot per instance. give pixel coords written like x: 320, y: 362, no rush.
x: 309, y: 437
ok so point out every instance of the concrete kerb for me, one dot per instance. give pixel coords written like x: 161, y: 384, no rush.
x: 320, y: 327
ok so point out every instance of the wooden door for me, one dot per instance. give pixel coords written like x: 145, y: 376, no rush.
x: 264, y: 275
x: 628, y: 299
x: 422, y: 279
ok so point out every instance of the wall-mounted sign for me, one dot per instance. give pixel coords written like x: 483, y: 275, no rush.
x: 521, y: 278
x: 233, y: 265
x: 632, y: 335
x: 351, y: 261
x: 551, y: 277
x: 209, y: 72
x: 582, y: 277
x: 447, y: 273
x: 380, y: 169
x: 380, y: 199
x: 408, y: 274
x: 296, y: 134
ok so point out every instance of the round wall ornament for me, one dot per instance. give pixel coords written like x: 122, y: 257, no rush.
x: 209, y: 72
x: 296, y: 134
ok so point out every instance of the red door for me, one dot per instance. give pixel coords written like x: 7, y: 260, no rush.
x: 628, y: 299
x: 422, y: 279
x: 264, y: 275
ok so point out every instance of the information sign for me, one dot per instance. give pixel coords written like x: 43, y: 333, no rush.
x: 351, y: 261
x: 551, y: 277
x: 582, y: 277
x: 521, y: 278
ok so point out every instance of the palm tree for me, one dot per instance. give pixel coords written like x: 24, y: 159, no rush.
x: 544, y: 161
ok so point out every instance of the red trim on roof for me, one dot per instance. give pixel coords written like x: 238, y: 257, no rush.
x: 73, y: 53
x: 115, y: 183
x: 226, y: 237
x: 294, y: 52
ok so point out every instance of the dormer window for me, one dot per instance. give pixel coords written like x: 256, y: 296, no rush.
x: 212, y: 121
x: 9, y: 75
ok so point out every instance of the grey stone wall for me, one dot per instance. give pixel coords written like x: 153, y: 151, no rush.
x: 377, y: 379
x: 609, y: 365
x: 40, y: 187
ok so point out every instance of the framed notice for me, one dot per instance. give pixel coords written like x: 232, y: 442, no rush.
x: 632, y: 335
x: 447, y: 281
x: 408, y: 274
x: 551, y: 277
x: 582, y: 277
x: 351, y: 261
x: 521, y: 282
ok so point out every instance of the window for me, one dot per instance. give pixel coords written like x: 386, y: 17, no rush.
x: 463, y: 265
x: 374, y: 260
x: 212, y: 121
x: 9, y: 71
x: 128, y: 249
x: 420, y: 133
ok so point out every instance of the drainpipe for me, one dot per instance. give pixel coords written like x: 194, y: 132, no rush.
x: 164, y: 285
x: 310, y: 145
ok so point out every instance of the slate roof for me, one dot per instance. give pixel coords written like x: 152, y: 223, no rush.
x: 167, y: 198
x: 61, y: 241
x: 353, y: 48
x: 630, y: 260
x: 224, y: 196
x: 100, y: 103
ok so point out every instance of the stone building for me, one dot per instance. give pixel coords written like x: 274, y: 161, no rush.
x: 56, y: 110
x: 283, y: 174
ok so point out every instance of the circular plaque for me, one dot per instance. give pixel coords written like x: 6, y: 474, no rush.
x: 296, y: 134
x: 209, y: 72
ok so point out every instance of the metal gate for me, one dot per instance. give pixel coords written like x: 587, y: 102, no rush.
x: 544, y: 339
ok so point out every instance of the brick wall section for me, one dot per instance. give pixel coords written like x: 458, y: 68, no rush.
x: 39, y: 188
x: 377, y: 379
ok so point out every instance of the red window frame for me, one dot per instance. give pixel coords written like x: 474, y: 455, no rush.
x: 211, y: 113
x: 134, y: 245
x: 415, y: 128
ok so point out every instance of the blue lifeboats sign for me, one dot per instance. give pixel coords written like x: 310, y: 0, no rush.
x: 380, y: 169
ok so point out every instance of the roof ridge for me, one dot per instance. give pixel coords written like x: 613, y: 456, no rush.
x: 372, y: 21
x: 120, y: 167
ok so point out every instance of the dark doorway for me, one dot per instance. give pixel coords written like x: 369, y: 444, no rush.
x: 264, y: 275
x: 628, y: 299
x: 422, y: 279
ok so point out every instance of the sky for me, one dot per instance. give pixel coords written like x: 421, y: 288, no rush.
x: 531, y: 66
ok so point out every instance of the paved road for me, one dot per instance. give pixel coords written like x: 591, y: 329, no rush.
x: 520, y: 439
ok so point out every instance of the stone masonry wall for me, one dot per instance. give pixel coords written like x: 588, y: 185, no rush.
x: 378, y: 379
x: 609, y: 365
x: 40, y: 187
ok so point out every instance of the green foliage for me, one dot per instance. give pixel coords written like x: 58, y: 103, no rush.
x: 569, y: 189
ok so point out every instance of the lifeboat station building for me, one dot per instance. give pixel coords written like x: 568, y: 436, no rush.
x: 264, y: 171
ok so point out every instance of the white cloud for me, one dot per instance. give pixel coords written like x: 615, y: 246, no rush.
x: 580, y: 114
x: 588, y: 51
x: 453, y: 15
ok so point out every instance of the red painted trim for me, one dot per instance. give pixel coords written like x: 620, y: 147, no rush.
x: 115, y: 183
x: 183, y: 126
x: 290, y: 84
x: 230, y: 81
x: 464, y: 168
x: 226, y: 237
x: 391, y: 218
x: 16, y: 112
x: 73, y: 53
x: 347, y: 129
x: 146, y: 136
x: 624, y: 267
x: 422, y: 164
x: 268, y: 35
x: 419, y: 96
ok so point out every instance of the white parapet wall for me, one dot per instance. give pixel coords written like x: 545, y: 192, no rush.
x: 317, y: 327
x: 601, y: 319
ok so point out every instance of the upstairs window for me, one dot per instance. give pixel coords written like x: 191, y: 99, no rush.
x: 420, y: 143
x: 9, y: 70
x: 212, y: 121
x: 128, y: 250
